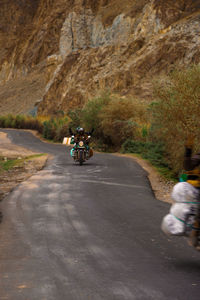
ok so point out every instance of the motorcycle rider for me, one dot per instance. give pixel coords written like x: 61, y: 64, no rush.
x: 81, y: 135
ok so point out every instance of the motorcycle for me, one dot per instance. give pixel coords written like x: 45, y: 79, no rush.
x: 81, y: 153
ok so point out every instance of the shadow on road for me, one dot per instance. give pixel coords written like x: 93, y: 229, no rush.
x: 189, y: 266
x: 92, y: 164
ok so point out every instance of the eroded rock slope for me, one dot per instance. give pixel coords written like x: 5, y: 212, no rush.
x: 60, y: 53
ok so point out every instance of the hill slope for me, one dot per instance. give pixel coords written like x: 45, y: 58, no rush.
x: 61, y: 52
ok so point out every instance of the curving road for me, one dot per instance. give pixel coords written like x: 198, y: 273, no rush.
x: 90, y: 233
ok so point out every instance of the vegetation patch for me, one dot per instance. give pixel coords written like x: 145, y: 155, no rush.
x: 153, y: 152
x: 7, y: 164
x: 51, y: 128
x: 114, y: 119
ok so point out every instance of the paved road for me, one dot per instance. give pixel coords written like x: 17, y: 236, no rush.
x: 90, y: 233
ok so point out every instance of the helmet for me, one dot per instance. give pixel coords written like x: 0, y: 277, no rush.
x: 80, y: 130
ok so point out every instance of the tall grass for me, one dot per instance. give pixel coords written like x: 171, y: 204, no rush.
x: 51, y: 128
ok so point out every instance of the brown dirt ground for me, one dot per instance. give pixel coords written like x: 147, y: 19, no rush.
x: 10, y: 179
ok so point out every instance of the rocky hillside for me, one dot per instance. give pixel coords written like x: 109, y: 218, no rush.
x: 58, y: 53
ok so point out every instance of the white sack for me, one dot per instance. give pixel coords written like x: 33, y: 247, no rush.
x: 184, y: 192
x: 171, y: 226
x: 181, y: 193
x: 181, y: 210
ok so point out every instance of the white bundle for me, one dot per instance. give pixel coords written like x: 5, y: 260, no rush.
x: 181, y: 210
x: 172, y: 226
x: 185, y: 196
x: 184, y: 192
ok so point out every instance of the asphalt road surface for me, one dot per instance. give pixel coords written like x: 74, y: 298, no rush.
x: 90, y: 232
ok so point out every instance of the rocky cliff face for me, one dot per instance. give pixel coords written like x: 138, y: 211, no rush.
x: 61, y: 52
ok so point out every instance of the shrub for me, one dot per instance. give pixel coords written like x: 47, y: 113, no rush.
x: 61, y: 128
x: 91, y: 118
x: 9, y: 121
x: 55, y: 129
x: 48, y: 130
x: 113, y: 119
x: 2, y: 122
x: 176, y: 111
x: 154, y: 152
x: 123, y: 118
x: 20, y: 121
x: 75, y: 118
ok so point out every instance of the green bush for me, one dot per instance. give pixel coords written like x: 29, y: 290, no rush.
x: 154, y: 152
x: 48, y: 130
x: 55, y: 129
x: 20, y: 121
x: 2, y: 122
x: 61, y: 129
x: 9, y: 122
x: 75, y: 118
x: 91, y: 118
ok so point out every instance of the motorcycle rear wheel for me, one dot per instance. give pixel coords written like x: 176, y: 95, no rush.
x: 80, y: 158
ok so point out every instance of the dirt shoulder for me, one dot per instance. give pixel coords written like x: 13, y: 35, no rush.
x: 26, y: 164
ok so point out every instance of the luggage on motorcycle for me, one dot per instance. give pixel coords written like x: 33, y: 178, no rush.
x: 182, y: 213
x: 172, y: 226
x: 184, y: 192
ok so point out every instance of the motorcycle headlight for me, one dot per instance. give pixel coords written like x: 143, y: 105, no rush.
x: 81, y: 143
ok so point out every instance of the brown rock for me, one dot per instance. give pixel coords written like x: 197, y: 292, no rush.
x: 60, y: 53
